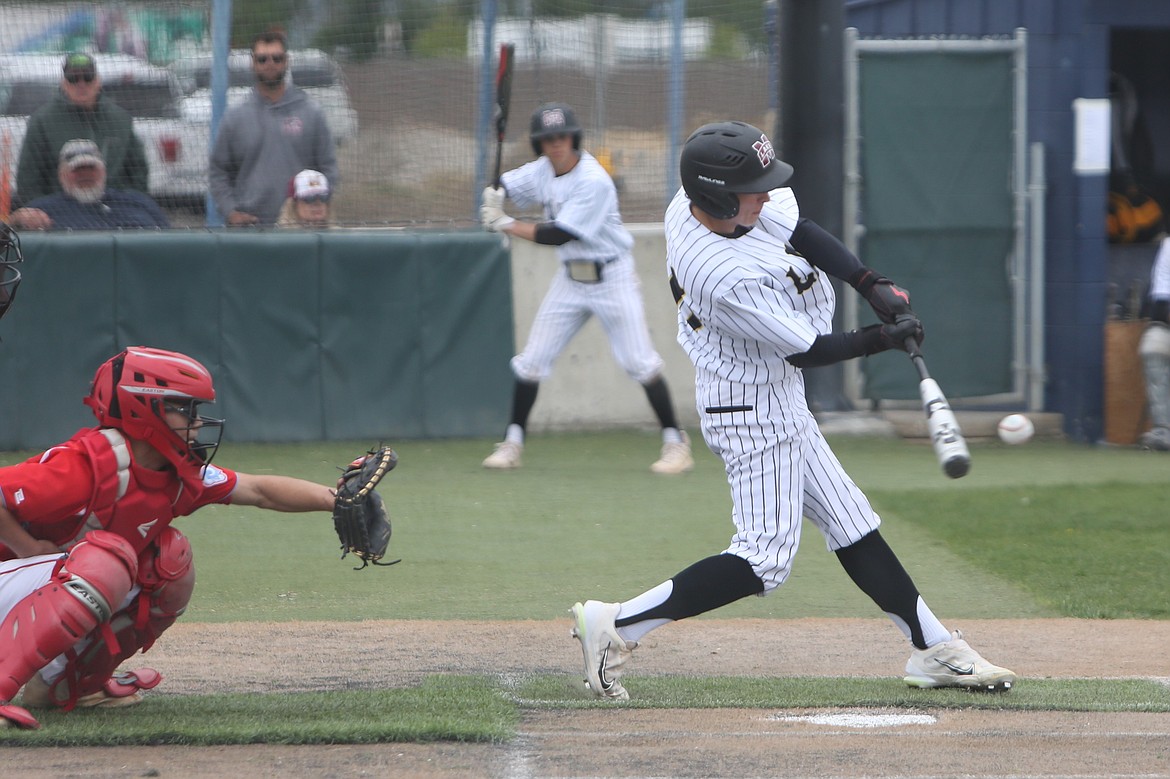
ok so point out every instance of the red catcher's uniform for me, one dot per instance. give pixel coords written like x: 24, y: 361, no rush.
x: 72, y: 488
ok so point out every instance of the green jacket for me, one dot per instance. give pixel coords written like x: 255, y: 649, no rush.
x: 53, y: 125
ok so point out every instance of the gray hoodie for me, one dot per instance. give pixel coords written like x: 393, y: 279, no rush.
x: 261, y: 145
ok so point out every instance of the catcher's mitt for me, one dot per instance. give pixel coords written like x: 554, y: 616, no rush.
x: 359, y: 514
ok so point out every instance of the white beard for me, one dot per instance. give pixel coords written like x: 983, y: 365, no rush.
x: 86, y: 194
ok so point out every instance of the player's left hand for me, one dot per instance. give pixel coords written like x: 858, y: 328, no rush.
x: 494, y: 218
x: 359, y: 513
x: 888, y: 300
x: 894, y: 335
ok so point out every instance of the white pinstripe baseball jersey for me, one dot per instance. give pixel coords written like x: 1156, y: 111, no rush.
x: 747, y: 303
x: 583, y: 202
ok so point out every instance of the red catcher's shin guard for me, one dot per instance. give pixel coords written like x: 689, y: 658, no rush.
x: 167, y: 576
x: 89, y: 583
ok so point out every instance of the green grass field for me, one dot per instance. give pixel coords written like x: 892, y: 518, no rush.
x: 1046, y: 529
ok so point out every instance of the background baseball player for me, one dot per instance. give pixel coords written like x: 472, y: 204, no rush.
x: 754, y: 309
x: 1154, y: 349
x: 581, y: 220
x: 107, y: 497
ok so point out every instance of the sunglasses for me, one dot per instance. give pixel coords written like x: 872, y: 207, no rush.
x: 263, y: 58
x: 314, y: 199
x: 73, y: 78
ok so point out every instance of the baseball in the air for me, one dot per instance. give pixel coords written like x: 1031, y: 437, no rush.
x: 1015, y: 429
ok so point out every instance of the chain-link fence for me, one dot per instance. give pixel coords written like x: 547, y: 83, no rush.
x: 402, y: 84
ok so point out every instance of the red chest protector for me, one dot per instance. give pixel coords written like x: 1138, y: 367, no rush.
x: 119, y: 504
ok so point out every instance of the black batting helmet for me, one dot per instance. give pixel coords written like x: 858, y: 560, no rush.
x: 553, y: 119
x: 725, y: 158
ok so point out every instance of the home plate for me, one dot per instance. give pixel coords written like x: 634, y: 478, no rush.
x: 858, y: 719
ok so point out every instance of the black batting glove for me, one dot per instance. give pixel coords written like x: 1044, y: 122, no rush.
x: 881, y: 338
x: 888, y: 300
x: 894, y: 335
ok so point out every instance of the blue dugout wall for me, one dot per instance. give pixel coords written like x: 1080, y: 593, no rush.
x: 1068, y: 58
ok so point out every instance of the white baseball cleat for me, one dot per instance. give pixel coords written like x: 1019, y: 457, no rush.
x: 675, y: 458
x: 955, y: 664
x: 603, y: 649
x: 505, y: 457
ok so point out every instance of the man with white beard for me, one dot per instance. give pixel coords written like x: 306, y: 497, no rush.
x: 84, y: 202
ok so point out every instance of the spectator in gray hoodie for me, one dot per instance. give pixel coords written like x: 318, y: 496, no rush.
x: 266, y: 140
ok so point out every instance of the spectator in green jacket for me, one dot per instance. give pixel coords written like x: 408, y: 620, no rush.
x: 80, y: 111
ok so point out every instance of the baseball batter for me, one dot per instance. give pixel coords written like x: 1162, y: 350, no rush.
x: 754, y: 309
x: 597, y: 278
x: 91, y: 570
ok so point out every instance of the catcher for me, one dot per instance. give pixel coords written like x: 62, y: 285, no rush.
x: 86, y: 543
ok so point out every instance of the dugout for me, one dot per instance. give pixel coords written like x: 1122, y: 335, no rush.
x: 1072, y: 47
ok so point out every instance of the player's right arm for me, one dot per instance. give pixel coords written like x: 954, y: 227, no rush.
x: 46, y: 496
x: 17, y: 539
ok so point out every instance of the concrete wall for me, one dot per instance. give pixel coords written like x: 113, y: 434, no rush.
x: 587, y: 389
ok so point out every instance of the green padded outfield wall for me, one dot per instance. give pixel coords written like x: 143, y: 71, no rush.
x: 937, y: 207
x: 367, y: 335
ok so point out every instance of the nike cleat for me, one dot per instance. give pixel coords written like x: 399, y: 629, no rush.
x: 955, y: 664
x: 603, y: 649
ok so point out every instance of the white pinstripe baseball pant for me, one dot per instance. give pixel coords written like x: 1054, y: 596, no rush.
x: 780, y: 469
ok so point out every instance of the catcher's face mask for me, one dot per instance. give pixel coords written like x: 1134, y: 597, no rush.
x: 10, y: 258
x: 196, y: 428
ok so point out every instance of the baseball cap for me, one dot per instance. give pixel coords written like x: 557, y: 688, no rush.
x: 78, y: 62
x: 81, y: 151
x: 309, y: 183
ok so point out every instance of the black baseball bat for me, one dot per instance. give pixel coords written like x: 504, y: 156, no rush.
x: 949, y: 445
x: 503, y: 99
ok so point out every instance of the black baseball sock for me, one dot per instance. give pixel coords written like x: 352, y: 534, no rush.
x: 876, y: 570
x: 659, y: 395
x: 708, y: 584
x: 523, y: 399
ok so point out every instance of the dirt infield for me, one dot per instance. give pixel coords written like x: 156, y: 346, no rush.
x: 202, y: 658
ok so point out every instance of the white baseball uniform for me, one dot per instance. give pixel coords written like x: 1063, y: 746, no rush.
x: 1160, y: 272
x: 746, y: 304
x: 584, y: 202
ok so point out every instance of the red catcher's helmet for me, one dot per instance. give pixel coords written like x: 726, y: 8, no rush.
x: 131, y: 392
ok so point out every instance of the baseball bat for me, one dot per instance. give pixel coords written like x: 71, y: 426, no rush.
x: 949, y: 445
x: 503, y: 99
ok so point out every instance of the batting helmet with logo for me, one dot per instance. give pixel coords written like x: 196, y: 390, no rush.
x: 553, y: 119
x: 723, y: 159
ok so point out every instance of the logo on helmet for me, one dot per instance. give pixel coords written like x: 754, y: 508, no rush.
x: 764, y: 151
x: 552, y: 118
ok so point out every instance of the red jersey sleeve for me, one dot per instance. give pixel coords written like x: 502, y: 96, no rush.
x: 218, y: 484
x: 48, y: 488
